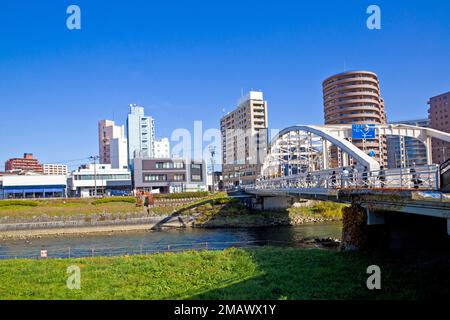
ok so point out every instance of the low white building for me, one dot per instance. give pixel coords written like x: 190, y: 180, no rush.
x: 161, y: 148
x: 34, y: 186
x: 101, y: 180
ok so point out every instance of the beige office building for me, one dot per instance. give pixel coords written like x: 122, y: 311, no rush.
x: 113, y: 144
x: 439, y: 115
x: 55, y: 169
x: 244, y: 140
x: 354, y: 98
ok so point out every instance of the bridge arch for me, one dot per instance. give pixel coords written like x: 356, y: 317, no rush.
x: 328, y: 137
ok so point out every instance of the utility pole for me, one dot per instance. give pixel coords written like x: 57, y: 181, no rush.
x: 95, y: 158
x: 212, y: 150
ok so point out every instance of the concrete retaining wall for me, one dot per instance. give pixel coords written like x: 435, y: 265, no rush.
x: 151, y: 221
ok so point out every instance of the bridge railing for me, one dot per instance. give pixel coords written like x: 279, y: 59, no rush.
x: 421, y: 178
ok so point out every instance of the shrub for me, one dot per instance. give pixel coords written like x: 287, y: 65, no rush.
x: 328, y: 209
x: 222, y: 201
x: 25, y: 203
x: 114, y: 200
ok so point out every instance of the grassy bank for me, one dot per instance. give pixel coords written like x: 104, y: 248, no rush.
x: 65, y: 207
x: 223, y: 211
x: 267, y: 273
x: 210, y: 211
x: 74, y: 207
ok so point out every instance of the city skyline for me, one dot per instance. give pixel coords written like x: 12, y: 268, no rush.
x: 207, y: 77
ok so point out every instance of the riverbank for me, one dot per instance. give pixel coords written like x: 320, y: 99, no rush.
x: 216, y: 211
x: 232, y: 274
x: 158, y: 223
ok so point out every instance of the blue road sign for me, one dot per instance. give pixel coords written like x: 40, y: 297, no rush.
x: 372, y: 153
x: 363, y: 131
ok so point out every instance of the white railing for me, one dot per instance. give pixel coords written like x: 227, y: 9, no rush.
x: 421, y: 178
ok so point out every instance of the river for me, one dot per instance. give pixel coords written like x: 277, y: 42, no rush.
x: 116, y: 244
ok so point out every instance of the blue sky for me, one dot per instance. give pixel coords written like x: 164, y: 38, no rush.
x: 188, y: 60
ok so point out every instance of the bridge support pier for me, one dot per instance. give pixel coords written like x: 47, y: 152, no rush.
x: 363, y: 229
x: 273, y: 203
x: 354, y: 228
x: 375, y: 218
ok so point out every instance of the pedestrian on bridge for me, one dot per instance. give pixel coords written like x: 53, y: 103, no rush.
x: 308, y: 180
x: 345, y: 178
x: 353, y: 175
x: 382, y: 177
x: 365, y: 177
x: 415, y: 178
x: 333, y: 179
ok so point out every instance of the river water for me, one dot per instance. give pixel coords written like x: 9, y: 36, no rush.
x: 166, y: 240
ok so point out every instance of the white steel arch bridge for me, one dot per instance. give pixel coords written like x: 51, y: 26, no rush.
x: 301, y: 155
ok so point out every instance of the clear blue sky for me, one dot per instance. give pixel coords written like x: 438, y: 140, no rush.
x: 187, y: 60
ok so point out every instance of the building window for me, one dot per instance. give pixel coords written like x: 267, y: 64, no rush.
x: 155, y: 177
x: 196, y: 172
x: 179, y: 177
x: 169, y: 165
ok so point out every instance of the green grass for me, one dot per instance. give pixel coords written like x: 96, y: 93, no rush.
x: 114, y: 200
x: 18, y: 203
x: 24, y: 209
x: 328, y: 210
x: 268, y: 273
x: 19, y: 209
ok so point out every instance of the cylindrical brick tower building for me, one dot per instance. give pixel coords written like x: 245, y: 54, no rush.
x: 354, y: 98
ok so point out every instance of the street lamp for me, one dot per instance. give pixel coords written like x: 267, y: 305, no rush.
x: 212, y: 150
x: 94, y: 159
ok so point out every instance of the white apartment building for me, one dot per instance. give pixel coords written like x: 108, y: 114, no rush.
x: 140, y: 133
x: 244, y: 140
x: 162, y: 148
x: 55, y: 169
x: 100, y: 179
x: 119, y: 153
x: 113, y: 145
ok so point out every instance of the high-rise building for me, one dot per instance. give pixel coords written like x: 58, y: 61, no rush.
x: 140, y: 134
x: 354, y: 98
x: 55, y: 169
x: 439, y: 115
x: 113, y: 145
x: 162, y: 148
x: 244, y: 140
x: 26, y: 164
x: 406, y: 151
